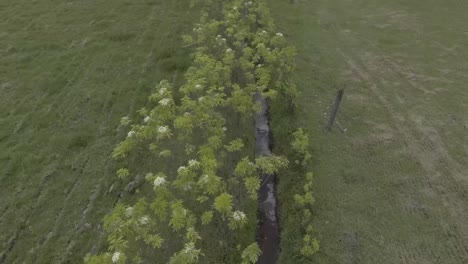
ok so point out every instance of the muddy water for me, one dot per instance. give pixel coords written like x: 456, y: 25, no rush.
x: 268, y: 229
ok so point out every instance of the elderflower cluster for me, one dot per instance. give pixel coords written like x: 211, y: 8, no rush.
x: 181, y: 169
x: 162, y: 91
x: 164, y: 101
x: 129, y: 211
x: 159, y: 181
x: 115, y: 257
x: 201, y: 99
x: 279, y: 34
x: 192, y: 163
x: 163, y: 129
x: 224, y: 129
x: 131, y: 133
x: 198, y: 86
x: 238, y: 216
x: 249, y: 3
x: 229, y: 50
x: 146, y: 119
x: 144, y: 220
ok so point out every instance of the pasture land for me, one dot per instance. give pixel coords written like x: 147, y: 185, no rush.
x: 69, y: 70
x: 394, y: 187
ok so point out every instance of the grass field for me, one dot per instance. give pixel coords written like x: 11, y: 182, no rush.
x: 392, y: 189
x: 69, y: 70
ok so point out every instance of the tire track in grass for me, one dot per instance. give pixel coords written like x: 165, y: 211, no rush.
x: 421, y: 147
x: 25, y: 220
x: 43, y: 243
x: 65, y: 70
x: 41, y: 186
x: 146, y: 64
x: 18, y: 233
x: 71, y: 243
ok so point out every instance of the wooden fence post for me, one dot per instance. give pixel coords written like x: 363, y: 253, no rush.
x: 334, y: 110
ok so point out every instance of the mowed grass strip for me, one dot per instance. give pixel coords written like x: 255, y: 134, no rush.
x: 393, y: 189
x: 69, y: 71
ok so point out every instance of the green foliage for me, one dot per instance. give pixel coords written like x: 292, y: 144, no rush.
x: 206, y: 217
x: 250, y: 254
x: 237, y: 55
x: 304, y: 201
x: 271, y: 164
x: 245, y: 168
x: 223, y: 203
x: 300, y: 145
x: 310, y: 246
x: 122, y: 173
x: 252, y: 184
x: 235, y: 145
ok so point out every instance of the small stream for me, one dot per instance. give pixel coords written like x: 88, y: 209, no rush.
x: 268, y: 230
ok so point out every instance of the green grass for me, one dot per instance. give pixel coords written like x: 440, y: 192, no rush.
x: 393, y: 189
x: 69, y: 71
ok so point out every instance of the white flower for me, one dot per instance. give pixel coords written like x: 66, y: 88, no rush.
x: 181, y: 169
x: 144, y: 220
x: 115, y: 257
x: 223, y: 39
x: 234, y: 8
x: 146, y: 119
x: 129, y: 211
x: 249, y: 3
x: 131, y: 133
x: 187, y: 187
x: 264, y: 32
x: 259, y: 65
x: 279, y: 34
x: 163, y: 129
x: 229, y: 50
x: 219, y: 36
x: 187, y: 114
x: 192, y: 163
x: 224, y: 129
x: 164, y: 101
x: 201, y: 99
x: 159, y: 181
x: 198, y: 86
x: 162, y: 91
x: 238, y: 216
